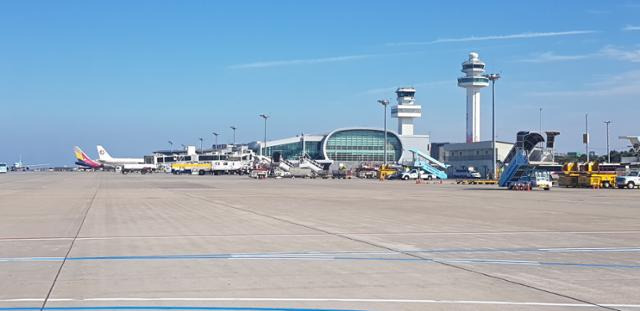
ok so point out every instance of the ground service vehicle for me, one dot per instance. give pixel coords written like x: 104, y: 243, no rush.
x: 469, y: 173
x: 597, y: 180
x: 589, y: 175
x: 528, y: 166
x: 189, y: 168
x: 3, y: 167
x: 570, y: 174
x: 298, y: 172
x: 135, y: 167
x: 386, y: 172
x: 630, y: 180
x: 417, y: 173
x: 541, y: 179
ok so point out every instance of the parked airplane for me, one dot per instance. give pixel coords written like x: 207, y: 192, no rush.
x: 20, y: 166
x: 105, y: 158
x: 125, y: 164
x: 83, y: 160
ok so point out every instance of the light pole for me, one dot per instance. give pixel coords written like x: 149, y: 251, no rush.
x: 493, y: 78
x: 540, y: 121
x: 216, y: 139
x: 264, y: 144
x: 234, y: 134
x: 170, y: 146
x: 608, y: 153
x: 201, y: 140
x: 385, y: 103
x: 586, y: 134
x: 540, y: 124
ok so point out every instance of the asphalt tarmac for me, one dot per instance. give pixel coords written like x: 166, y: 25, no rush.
x: 99, y: 240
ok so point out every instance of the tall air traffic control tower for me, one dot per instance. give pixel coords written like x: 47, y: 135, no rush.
x: 473, y: 82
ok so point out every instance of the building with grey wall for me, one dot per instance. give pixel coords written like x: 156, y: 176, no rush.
x: 478, y: 155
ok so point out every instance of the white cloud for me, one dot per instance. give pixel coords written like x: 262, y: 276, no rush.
x: 310, y: 61
x: 631, y: 28
x: 290, y: 62
x: 526, y: 35
x: 619, y: 54
x: 608, y: 51
x: 611, y: 85
x: 548, y: 57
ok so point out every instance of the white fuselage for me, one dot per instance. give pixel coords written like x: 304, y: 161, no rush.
x: 121, y: 161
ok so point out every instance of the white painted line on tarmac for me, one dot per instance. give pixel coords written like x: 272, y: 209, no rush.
x: 492, y: 233
x: 314, y: 235
x: 591, y: 249
x: 351, y: 300
x: 34, y: 239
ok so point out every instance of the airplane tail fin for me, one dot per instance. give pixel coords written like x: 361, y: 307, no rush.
x: 80, y: 155
x: 103, y: 154
x: 84, y: 160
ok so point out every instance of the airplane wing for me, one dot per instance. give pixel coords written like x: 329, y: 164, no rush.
x: 634, y: 140
x: 35, y: 165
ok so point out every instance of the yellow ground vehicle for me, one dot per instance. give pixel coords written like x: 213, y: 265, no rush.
x: 588, y: 175
x: 570, y: 174
x: 386, y: 171
x: 594, y: 177
x: 187, y: 167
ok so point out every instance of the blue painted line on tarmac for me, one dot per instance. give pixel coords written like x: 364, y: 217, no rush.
x: 528, y: 250
x: 169, y: 308
x: 319, y: 256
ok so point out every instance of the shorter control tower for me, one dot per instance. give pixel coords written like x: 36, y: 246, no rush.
x: 473, y: 82
x: 406, y: 110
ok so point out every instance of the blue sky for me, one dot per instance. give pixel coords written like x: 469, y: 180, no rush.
x: 132, y: 75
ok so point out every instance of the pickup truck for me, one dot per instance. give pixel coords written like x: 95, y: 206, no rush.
x: 630, y: 180
x: 415, y: 174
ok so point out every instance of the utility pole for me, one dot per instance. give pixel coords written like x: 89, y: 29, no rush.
x: 540, y: 122
x: 385, y: 103
x: 216, y: 139
x: 170, y: 146
x: 586, y: 134
x: 264, y: 143
x: 234, y: 134
x: 608, y: 153
x: 493, y: 78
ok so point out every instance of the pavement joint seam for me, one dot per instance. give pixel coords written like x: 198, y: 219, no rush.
x: 495, y: 277
x: 84, y: 218
x: 12, y: 239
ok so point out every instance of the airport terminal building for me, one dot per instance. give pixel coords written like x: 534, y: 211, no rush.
x: 354, y: 145
x: 345, y: 145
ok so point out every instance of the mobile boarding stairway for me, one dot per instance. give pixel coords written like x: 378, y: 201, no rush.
x: 429, y: 164
x: 311, y: 164
x: 284, y: 165
x: 524, y: 156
